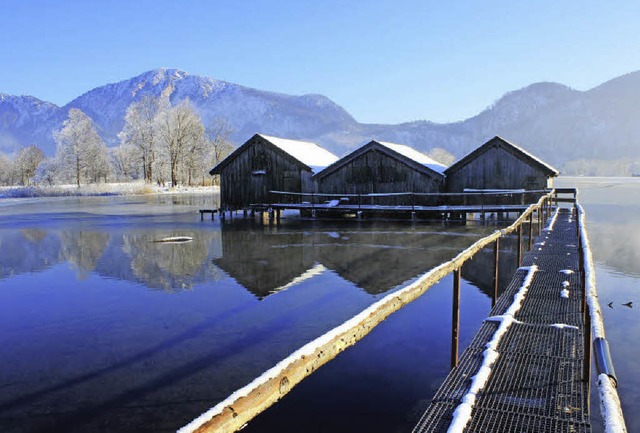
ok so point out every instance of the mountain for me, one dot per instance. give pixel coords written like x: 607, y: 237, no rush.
x: 555, y: 122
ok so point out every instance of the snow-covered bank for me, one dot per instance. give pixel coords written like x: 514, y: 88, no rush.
x: 102, y: 189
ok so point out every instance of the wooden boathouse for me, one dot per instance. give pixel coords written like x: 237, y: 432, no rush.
x: 266, y: 163
x: 381, y: 167
x: 275, y: 174
x: 499, y: 165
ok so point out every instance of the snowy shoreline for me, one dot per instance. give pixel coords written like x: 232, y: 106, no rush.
x: 103, y: 189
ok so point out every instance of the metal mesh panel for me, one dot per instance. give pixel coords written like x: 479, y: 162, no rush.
x: 536, y: 384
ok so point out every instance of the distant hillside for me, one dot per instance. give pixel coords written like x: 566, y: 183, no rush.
x: 553, y: 121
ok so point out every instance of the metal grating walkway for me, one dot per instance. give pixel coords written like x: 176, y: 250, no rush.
x: 536, y: 384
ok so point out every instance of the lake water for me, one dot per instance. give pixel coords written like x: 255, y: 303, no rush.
x: 106, y: 330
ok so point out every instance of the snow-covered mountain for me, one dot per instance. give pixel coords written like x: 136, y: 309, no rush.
x: 555, y: 122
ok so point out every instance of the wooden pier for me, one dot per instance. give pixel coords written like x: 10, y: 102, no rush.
x: 528, y: 368
x: 447, y: 206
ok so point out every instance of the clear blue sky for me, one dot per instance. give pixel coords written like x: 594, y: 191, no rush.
x: 383, y: 61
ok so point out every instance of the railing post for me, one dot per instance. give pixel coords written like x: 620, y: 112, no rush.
x: 455, y: 321
x: 496, y: 266
x: 539, y: 211
x: 519, y: 256
x: 530, y: 231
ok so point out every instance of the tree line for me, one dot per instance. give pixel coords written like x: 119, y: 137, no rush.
x: 159, y: 143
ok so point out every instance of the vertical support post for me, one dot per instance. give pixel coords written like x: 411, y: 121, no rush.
x: 455, y: 320
x: 539, y: 220
x: 530, y: 231
x: 519, y: 253
x: 586, y: 368
x: 201, y: 216
x: 496, y: 269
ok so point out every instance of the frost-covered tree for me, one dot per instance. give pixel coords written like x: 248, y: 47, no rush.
x: 48, y: 172
x: 218, y: 143
x: 26, y: 163
x: 180, y: 132
x: 125, y: 162
x: 140, y: 131
x: 81, y: 153
x: 6, y: 170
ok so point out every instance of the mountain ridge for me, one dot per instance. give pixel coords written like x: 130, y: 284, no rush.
x: 552, y: 120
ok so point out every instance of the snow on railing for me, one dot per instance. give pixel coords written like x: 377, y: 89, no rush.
x: 610, y: 406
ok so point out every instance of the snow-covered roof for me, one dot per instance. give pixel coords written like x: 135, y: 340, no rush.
x: 413, y: 154
x: 306, y: 152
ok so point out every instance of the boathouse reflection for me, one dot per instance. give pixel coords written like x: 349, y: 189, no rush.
x: 263, y: 259
x: 267, y: 259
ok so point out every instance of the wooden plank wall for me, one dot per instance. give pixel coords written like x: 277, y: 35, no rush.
x: 497, y: 169
x: 240, y: 188
x: 376, y: 172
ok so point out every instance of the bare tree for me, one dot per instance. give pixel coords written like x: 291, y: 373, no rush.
x: 140, y: 131
x: 125, y: 162
x: 26, y: 163
x: 219, y: 146
x: 81, y: 152
x: 6, y: 170
x: 180, y: 132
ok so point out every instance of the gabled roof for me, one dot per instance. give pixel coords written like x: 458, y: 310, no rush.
x: 418, y: 157
x: 405, y: 154
x: 515, y: 150
x: 310, y: 155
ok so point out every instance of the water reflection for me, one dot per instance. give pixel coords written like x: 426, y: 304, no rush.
x: 266, y: 259
x: 131, y: 256
x: 263, y: 259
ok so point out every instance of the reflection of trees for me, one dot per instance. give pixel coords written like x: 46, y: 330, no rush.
x: 165, y: 265
x: 83, y: 249
x: 34, y: 235
x: 29, y: 250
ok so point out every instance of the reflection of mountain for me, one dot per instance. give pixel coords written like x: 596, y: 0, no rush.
x: 265, y: 259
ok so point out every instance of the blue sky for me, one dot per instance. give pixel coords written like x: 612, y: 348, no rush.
x: 383, y: 61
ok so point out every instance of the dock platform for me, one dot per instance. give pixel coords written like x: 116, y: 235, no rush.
x: 526, y: 370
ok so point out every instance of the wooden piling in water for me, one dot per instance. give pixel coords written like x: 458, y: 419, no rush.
x: 455, y: 318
